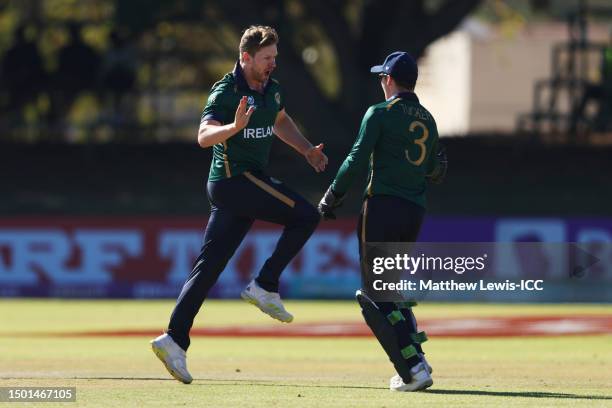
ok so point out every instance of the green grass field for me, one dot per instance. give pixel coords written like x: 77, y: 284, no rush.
x: 554, y: 371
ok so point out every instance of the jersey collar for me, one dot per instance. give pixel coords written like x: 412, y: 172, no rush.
x: 407, y: 96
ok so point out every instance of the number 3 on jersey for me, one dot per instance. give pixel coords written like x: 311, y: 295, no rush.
x: 419, y: 142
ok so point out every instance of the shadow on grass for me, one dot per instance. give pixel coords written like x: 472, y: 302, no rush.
x: 522, y: 394
x: 271, y: 383
x: 203, y: 382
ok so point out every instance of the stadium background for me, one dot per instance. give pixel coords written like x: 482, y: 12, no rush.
x: 102, y: 196
x: 99, y: 121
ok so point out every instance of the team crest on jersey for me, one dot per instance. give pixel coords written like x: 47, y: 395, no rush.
x: 277, y: 98
x: 250, y: 100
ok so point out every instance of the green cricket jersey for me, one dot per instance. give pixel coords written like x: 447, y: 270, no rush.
x: 249, y: 149
x: 397, y: 141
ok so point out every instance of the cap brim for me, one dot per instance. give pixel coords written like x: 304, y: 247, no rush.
x: 377, y: 69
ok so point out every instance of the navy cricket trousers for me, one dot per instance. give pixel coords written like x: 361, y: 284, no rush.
x: 386, y: 218
x: 236, y: 203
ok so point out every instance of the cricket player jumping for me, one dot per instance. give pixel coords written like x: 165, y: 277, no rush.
x: 244, y: 111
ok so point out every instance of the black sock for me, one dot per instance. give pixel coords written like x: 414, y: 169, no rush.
x: 266, y: 285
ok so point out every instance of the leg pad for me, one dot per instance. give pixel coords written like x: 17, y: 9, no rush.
x: 384, y: 332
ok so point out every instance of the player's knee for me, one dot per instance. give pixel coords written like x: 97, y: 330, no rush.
x: 311, y: 216
x: 305, y: 217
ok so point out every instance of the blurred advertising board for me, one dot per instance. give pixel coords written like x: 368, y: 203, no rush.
x: 150, y: 257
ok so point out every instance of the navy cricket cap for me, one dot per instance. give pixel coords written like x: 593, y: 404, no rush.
x: 400, y: 66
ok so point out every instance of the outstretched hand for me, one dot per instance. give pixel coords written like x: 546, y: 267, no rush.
x: 241, y: 119
x: 316, y: 158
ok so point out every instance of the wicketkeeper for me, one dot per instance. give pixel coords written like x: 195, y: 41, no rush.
x: 398, y: 143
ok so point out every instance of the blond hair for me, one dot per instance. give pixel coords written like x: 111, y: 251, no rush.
x: 257, y: 37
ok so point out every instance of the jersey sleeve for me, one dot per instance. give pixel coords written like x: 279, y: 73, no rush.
x: 358, y: 159
x: 217, y: 106
x: 279, y: 96
x: 281, y: 99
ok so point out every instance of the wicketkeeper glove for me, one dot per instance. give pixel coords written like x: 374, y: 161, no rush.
x: 439, y: 173
x: 329, y: 203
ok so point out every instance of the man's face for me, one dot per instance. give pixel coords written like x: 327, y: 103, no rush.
x: 261, y: 65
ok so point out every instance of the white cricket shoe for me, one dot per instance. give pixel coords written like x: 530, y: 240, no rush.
x: 268, y: 302
x: 420, y: 380
x: 173, y: 357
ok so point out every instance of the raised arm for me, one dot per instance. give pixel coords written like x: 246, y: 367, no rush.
x: 212, y: 132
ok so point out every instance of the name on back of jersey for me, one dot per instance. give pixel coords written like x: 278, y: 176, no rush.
x: 416, y: 112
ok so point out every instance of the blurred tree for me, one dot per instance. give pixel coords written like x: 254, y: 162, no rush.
x: 357, y: 34
x: 77, y: 71
x: 22, y: 76
x: 540, y: 4
x: 326, y: 49
x: 360, y: 33
x: 118, y: 77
